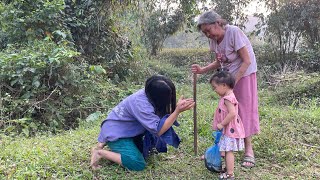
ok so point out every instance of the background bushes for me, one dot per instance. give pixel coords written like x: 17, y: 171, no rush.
x: 58, y: 61
x: 62, y: 60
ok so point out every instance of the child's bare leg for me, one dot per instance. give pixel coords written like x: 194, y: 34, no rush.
x: 223, y: 161
x: 229, y: 162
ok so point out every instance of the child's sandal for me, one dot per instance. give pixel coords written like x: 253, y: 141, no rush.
x: 226, y: 176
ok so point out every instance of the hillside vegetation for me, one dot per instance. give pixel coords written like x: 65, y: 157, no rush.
x: 288, y: 146
x: 64, y: 64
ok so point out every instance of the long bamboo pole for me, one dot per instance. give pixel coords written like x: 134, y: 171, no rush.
x: 195, y: 128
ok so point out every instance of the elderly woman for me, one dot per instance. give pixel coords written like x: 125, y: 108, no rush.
x: 234, y: 53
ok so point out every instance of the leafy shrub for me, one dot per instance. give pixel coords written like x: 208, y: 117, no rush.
x: 45, y: 85
x: 269, y: 64
x: 159, y: 26
x: 87, y: 25
x: 23, y: 21
x: 52, y: 52
x: 38, y: 83
x: 298, y: 89
x: 310, y: 58
x: 185, y: 57
x: 95, y: 35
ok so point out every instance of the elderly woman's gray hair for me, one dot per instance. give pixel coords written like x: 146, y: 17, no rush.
x: 208, y: 17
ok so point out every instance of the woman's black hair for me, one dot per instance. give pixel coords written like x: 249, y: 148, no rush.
x: 161, y: 92
x: 223, y: 77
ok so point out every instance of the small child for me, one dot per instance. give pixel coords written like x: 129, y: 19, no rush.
x: 226, y: 118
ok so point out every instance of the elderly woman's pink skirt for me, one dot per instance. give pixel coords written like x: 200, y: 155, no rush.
x: 246, y: 92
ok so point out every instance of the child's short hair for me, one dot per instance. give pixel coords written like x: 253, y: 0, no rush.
x: 223, y: 77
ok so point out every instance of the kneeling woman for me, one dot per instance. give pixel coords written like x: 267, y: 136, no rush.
x: 132, y: 117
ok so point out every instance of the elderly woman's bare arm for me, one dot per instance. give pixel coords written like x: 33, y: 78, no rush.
x: 244, y: 55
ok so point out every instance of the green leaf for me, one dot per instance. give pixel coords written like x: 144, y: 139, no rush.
x: 33, y: 125
x: 9, y: 129
x: 27, y: 95
x: 60, y: 33
x: 99, y: 69
x: 36, y: 83
x: 14, y: 82
x: 93, y: 116
x: 26, y: 131
x: 51, y: 60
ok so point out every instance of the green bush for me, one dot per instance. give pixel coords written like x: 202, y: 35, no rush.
x: 56, y: 62
x: 33, y: 75
x: 84, y: 24
x: 23, y: 21
x: 298, y: 89
x: 310, y: 58
x: 46, y: 86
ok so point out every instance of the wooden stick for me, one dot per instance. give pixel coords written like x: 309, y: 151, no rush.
x: 195, y: 129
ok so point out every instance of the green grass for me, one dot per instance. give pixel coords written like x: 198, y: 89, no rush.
x: 288, y: 146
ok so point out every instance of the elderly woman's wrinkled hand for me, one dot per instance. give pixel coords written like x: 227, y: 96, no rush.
x: 195, y: 68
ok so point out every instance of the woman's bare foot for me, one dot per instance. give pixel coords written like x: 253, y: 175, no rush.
x: 95, y: 157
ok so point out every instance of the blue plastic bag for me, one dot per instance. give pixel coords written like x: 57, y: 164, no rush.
x: 212, y: 157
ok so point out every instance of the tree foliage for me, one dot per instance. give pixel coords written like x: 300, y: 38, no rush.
x: 52, y: 52
x: 95, y: 36
x: 165, y: 19
x: 23, y: 21
x: 232, y: 10
x: 159, y: 26
x: 37, y: 80
x: 161, y: 19
x: 88, y: 25
x: 289, y: 24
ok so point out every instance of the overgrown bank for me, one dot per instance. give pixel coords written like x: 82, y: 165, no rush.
x: 287, y: 147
